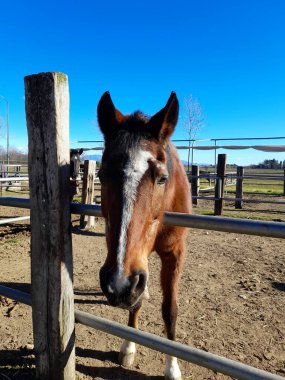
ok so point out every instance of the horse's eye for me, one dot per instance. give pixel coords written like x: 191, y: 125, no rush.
x: 162, y: 180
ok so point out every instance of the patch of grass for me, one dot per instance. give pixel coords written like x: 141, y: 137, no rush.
x: 204, y: 212
x: 9, y: 193
x: 77, y: 198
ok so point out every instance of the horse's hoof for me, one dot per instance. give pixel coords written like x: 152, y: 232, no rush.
x: 126, y: 360
x: 127, y: 354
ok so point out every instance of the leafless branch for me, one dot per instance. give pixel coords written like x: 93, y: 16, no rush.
x: 193, y: 118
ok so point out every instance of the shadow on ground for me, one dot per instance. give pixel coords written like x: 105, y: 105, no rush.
x: 20, y: 365
x: 108, y: 372
x: 279, y: 286
x: 17, y: 364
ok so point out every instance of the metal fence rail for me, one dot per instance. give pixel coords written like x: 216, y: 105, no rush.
x: 13, y: 220
x: 193, y: 355
x: 14, y: 179
x: 235, y: 225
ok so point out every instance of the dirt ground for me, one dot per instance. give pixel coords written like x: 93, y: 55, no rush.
x: 232, y: 302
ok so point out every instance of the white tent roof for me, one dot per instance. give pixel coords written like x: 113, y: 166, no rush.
x: 263, y: 148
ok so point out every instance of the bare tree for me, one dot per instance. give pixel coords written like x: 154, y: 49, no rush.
x: 193, y: 120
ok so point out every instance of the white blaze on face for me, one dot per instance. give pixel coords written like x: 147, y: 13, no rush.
x: 134, y: 170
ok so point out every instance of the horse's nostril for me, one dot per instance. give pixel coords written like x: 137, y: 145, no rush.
x: 138, y: 283
x: 135, y: 282
x: 110, y: 288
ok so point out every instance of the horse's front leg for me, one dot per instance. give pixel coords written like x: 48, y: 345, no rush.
x: 128, y: 349
x: 172, y: 263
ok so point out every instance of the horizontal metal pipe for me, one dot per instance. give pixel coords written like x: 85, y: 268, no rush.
x: 14, y: 165
x: 14, y: 179
x: 16, y: 295
x: 235, y: 225
x: 193, y: 355
x: 12, y: 220
x: 245, y: 177
x: 259, y: 176
x: 227, y: 199
x: 83, y: 209
x: 254, y: 201
x: 15, y: 202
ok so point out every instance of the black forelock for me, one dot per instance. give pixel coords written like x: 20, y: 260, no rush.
x: 135, y: 122
x: 130, y: 131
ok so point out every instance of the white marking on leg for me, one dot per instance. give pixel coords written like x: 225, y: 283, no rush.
x: 172, y: 370
x: 128, y: 348
x: 127, y: 353
x: 145, y: 295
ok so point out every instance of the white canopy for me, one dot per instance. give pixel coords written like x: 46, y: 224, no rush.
x: 263, y: 148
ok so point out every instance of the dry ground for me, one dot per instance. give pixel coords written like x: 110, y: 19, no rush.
x: 232, y: 302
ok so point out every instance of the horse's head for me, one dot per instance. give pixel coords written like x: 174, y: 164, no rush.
x: 135, y: 174
x: 75, y: 162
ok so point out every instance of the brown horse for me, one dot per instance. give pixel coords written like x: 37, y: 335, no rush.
x: 142, y: 177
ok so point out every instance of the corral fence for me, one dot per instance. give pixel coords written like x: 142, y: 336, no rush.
x: 51, y: 254
x: 13, y: 176
x: 222, y: 179
x: 218, y: 183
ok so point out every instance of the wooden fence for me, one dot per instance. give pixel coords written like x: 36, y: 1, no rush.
x: 222, y: 179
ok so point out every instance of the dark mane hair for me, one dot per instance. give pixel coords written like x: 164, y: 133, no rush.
x: 135, y: 122
x: 131, y: 131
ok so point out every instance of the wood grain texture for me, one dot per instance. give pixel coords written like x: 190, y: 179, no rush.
x: 88, y: 192
x: 220, y: 184
x: 195, y: 183
x: 47, y: 114
x: 239, y: 187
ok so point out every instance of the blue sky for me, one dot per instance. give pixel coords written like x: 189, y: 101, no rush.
x: 230, y: 55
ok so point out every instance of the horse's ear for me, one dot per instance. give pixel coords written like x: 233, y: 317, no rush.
x: 108, y: 116
x: 162, y: 124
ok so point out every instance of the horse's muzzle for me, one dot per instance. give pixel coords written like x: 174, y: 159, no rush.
x: 122, y: 291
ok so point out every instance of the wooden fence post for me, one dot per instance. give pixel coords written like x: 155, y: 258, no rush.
x: 88, y: 192
x: 239, y: 187
x: 220, y: 184
x: 47, y: 114
x: 195, y: 183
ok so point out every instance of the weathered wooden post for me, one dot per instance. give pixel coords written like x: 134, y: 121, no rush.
x: 195, y: 183
x: 239, y: 187
x: 88, y: 192
x: 284, y: 183
x: 47, y: 114
x: 220, y: 184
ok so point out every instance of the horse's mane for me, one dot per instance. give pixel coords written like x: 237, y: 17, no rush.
x: 136, y: 121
